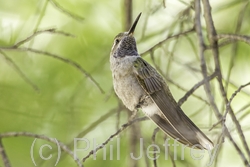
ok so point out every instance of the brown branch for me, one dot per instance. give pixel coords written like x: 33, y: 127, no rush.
x: 232, y: 97
x: 128, y: 14
x: 234, y: 37
x: 5, y: 158
x: 52, y: 30
x: 43, y: 137
x: 153, y: 142
x: 235, y: 46
x: 65, y: 60
x: 195, y: 87
x: 76, y: 17
x: 214, y: 43
x: 123, y: 127
x: 163, y: 41
x: 19, y: 71
x: 97, y: 122
x: 68, y: 61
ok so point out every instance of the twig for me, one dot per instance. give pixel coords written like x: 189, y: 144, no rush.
x: 163, y: 41
x: 65, y: 60
x: 134, y: 134
x: 128, y: 14
x: 118, y: 117
x: 235, y: 46
x: 76, y: 17
x: 52, y: 30
x: 214, y: 43
x: 41, y: 15
x: 217, y: 123
x: 164, y: 4
x: 243, y: 108
x: 19, y: 71
x: 123, y: 127
x: 5, y: 158
x: 97, y: 122
x: 243, y: 38
x: 195, y: 87
x: 153, y: 142
x: 43, y: 137
x: 232, y: 97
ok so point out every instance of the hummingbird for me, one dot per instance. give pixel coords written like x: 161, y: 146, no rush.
x: 140, y: 86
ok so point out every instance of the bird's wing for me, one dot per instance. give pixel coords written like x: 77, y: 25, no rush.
x: 172, y: 119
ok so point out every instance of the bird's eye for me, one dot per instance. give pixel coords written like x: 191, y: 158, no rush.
x: 117, y: 41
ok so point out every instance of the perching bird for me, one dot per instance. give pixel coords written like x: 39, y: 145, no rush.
x: 139, y: 85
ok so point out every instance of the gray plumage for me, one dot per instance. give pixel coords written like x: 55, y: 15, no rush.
x: 139, y: 85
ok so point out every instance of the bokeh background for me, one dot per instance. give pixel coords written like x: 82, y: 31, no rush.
x: 49, y: 96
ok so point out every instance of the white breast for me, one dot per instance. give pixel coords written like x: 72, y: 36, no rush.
x: 125, y: 83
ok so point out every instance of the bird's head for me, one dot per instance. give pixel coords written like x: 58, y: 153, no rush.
x: 124, y: 43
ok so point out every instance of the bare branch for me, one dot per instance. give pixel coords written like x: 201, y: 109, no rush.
x: 5, y: 158
x: 43, y: 137
x: 52, y: 30
x: 234, y: 37
x: 235, y: 46
x: 214, y: 43
x: 153, y: 142
x: 19, y: 71
x: 128, y: 14
x: 195, y: 87
x: 232, y: 97
x: 163, y: 41
x: 97, y: 122
x: 76, y: 17
x: 65, y: 60
x: 123, y: 127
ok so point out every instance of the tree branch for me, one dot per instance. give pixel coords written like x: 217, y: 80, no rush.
x: 123, y: 127
x: 214, y: 43
x: 19, y: 71
x: 65, y: 60
x: 5, y: 158
x: 43, y: 137
x: 168, y: 38
x: 76, y: 17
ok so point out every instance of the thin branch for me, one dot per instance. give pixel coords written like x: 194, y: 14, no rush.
x: 65, y: 60
x: 217, y: 123
x: 195, y: 87
x: 243, y: 38
x: 235, y: 46
x: 243, y: 108
x: 43, y: 137
x: 5, y: 158
x: 163, y: 41
x: 123, y: 127
x: 118, y: 118
x: 153, y: 142
x: 232, y: 97
x: 214, y: 43
x: 97, y: 122
x: 76, y: 17
x: 128, y: 14
x: 19, y: 71
x: 52, y: 30
x: 41, y: 15
x: 164, y: 4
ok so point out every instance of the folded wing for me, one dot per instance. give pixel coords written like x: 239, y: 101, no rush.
x: 172, y: 119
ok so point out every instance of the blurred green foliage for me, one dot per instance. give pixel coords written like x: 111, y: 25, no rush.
x: 68, y: 103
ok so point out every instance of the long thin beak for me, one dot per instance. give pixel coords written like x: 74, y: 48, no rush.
x: 132, y: 28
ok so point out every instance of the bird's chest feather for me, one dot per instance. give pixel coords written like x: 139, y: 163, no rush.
x: 125, y: 83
